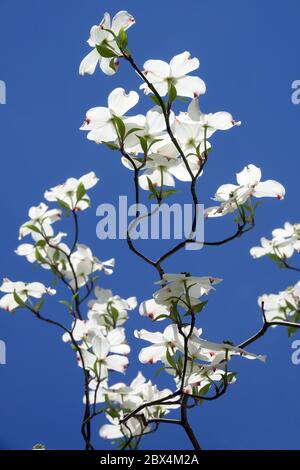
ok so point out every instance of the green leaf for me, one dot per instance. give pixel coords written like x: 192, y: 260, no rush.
x: 155, y: 100
x: 122, y: 39
x: 162, y: 316
x: 170, y: 359
x: 204, y: 390
x: 168, y: 193
x: 111, y: 146
x: 33, y: 228
x: 144, y: 144
x: 63, y: 205
x: 114, y: 314
x: 56, y: 256
x: 80, y: 192
x: 39, y: 257
x: 199, y: 307
x: 152, y: 188
x: 39, y: 305
x: 295, y: 319
x: 19, y: 301
x: 104, y: 51
x: 120, y: 127
x: 113, y: 65
x: 172, y: 93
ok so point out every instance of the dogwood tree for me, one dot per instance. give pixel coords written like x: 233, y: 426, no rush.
x: 158, y: 149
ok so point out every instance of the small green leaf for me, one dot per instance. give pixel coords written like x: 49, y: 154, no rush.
x: 144, y: 144
x: 33, y: 228
x: 120, y: 127
x: 122, y: 39
x: 39, y: 305
x: 152, y: 188
x: 39, y: 257
x: 155, y: 100
x: 63, y: 205
x: 111, y: 146
x: 80, y: 192
x: 172, y: 93
x: 18, y: 300
x: 104, y: 51
x: 170, y: 359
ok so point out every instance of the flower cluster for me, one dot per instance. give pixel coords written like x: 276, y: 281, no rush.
x: 282, y: 308
x: 285, y: 241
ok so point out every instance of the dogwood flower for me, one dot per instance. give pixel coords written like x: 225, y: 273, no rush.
x: 211, y: 122
x: 107, y: 351
x: 100, y: 121
x: 283, y: 306
x: 161, y: 74
x: 162, y: 342
x: 152, y: 128
x: 132, y: 428
x: 49, y: 253
x: 23, y: 290
x: 284, y: 243
x: 249, y: 184
x: 183, y: 289
x: 40, y: 216
x: 109, y: 309
x: 191, y: 137
x: 84, y: 264
x: 99, y: 35
x: 67, y: 193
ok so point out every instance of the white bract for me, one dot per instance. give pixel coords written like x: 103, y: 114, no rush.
x: 285, y: 241
x: 231, y: 196
x: 98, y: 36
x: 40, y: 216
x: 284, y: 306
x: 161, y: 75
x: 108, y: 309
x: 212, y: 122
x: 183, y: 289
x: 23, y: 291
x: 100, y: 122
x: 67, y: 193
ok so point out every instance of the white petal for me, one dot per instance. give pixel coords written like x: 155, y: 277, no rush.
x: 89, y: 63
x: 190, y: 87
x: 182, y: 64
x: 249, y: 176
x: 269, y: 188
x: 119, y: 102
x: 122, y: 19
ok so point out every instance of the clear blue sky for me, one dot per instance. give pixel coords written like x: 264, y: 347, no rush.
x: 248, y: 54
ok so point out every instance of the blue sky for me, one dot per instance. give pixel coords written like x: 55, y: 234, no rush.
x: 248, y: 61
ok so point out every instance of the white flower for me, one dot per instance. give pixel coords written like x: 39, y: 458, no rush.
x: 100, y: 121
x: 162, y: 342
x: 106, y: 304
x: 106, y: 351
x: 283, y: 306
x: 49, y: 253
x: 211, y: 122
x: 152, y: 127
x: 23, y: 291
x: 283, y: 244
x: 98, y: 36
x: 249, y: 184
x: 183, y: 288
x: 161, y: 74
x: 39, y: 217
x: 67, y: 192
x: 85, y: 264
x: 132, y: 428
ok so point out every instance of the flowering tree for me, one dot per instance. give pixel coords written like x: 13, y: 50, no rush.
x: 158, y: 149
